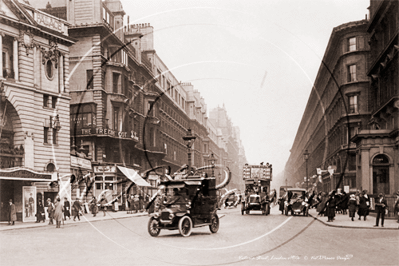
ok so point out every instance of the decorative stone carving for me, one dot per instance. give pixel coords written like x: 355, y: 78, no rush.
x: 51, y: 54
x: 26, y: 39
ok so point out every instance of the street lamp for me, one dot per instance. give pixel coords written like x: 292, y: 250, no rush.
x: 189, y: 139
x: 212, y: 161
x: 306, y: 157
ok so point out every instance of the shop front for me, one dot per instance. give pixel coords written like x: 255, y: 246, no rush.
x: 21, y: 186
x: 118, y: 180
x: 80, y: 167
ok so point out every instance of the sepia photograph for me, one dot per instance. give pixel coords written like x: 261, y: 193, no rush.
x: 199, y: 133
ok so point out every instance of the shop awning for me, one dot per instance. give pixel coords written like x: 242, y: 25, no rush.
x: 134, y: 176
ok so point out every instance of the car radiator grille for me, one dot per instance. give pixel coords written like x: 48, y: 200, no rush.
x: 165, y: 216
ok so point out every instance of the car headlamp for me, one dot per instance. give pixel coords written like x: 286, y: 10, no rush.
x: 171, y: 216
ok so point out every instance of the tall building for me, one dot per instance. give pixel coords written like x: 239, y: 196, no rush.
x: 377, y: 144
x: 128, y: 110
x: 336, y: 110
x: 220, y: 119
x: 34, y: 108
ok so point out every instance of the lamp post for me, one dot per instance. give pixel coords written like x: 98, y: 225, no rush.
x: 189, y: 139
x: 306, y: 157
x: 212, y: 161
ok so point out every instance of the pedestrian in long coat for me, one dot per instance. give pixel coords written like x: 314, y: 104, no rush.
x: 40, y: 212
x: 331, y: 206
x: 396, y: 205
x: 94, y: 208
x: 322, y: 204
x: 67, y: 208
x: 58, y: 212
x: 12, y: 213
x: 363, y: 206
x: 76, y: 209
x: 352, y: 206
x: 343, y: 202
x: 50, y: 211
x: 103, y: 201
x: 281, y: 205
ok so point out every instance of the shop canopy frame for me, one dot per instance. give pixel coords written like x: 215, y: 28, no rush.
x: 134, y: 176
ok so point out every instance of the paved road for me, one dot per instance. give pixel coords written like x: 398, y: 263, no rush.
x: 242, y: 240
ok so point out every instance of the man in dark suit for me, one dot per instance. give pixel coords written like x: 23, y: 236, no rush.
x: 76, y: 208
x: 380, y: 205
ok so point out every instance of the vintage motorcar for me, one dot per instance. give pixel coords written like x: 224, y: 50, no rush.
x: 294, y: 203
x: 186, y: 203
x: 254, y: 202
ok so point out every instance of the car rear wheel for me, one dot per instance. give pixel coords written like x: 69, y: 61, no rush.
x: 153, y: 228
x: 214, y: 226
x: 185, y: 226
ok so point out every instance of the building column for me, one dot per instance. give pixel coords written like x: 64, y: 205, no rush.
x: 62, y: 74
x: 1, y: 55
x: 15, y: 55
x: 34, y: 66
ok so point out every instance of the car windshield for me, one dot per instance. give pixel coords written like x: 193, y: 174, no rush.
x: 254, y: 200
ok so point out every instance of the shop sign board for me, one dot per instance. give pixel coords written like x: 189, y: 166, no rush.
x: 109, y: 132
x: 24, y: 174
x: 80, y: 162
x: 105, y: 169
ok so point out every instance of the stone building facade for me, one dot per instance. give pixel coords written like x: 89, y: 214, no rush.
x: 336, y: 110
x: 127, y: 108
x: 377, y: 145
x: 34, y: 108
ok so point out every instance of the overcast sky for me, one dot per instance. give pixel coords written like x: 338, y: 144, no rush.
x: 258, y: 58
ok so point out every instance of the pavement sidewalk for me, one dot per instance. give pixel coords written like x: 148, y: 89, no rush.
x: 85, y: 218
x: 343, y: 221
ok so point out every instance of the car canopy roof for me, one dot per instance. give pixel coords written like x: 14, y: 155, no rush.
x: 296, y: 189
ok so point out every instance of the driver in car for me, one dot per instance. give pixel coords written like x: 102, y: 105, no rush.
x: 175, y: 197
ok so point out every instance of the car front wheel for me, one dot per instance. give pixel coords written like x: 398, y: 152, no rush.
x: 153, y: 228
x: 214, y: 226
x: 185, y: 226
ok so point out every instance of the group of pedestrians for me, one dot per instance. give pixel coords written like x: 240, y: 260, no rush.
x: 134, y: 203
x: 102, y: 203
x: 358, y: 202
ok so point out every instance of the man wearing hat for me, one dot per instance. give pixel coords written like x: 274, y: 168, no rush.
x: 12, y: 214
x: 380, y: 205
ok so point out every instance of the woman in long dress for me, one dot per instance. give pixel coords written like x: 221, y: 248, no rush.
x: 58, y: 212
x: 363, y: 206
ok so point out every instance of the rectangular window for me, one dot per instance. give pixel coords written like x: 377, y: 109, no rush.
x: 89, y: 79
x: 116, y: 118
x: 351, y: 73
x: 115, y: 82
x: 53, y: 102
x: 168, y: 88
x: 54, y: 136
x: 352, y: 44
x: 45, y: 100
x: 125, y: 86
x: 353, y: 107
x: 45, y: 134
